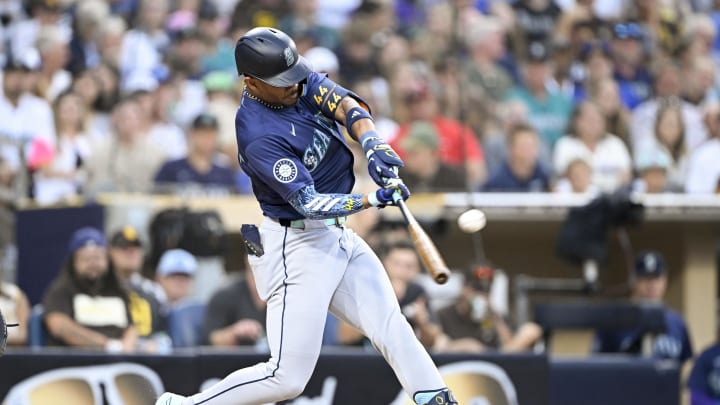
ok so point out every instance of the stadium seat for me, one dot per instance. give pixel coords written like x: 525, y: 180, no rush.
x: 185, y: 323
x: 36, y: 329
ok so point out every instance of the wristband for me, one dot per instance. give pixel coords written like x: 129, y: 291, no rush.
x: 355, y: 114
x: 373, y: 200
x: 368, y: 136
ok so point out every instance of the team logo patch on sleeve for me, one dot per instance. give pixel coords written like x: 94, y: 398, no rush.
x: 285, y: 170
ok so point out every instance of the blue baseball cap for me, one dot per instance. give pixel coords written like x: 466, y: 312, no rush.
x: 649, y: 264
x: 177, y: 261
x: 627, y: 30
x: 87, y: 236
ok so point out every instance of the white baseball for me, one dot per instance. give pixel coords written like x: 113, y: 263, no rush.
x: 472, y: 220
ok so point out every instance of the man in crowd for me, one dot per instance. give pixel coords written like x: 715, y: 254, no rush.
x: 175, y: 274
x: 85, y: 305
x: 521, y: 171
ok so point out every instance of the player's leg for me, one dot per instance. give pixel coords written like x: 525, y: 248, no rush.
x: 298, y: 289
x: 366, y: 300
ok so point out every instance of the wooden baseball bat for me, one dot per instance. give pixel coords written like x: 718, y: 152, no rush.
x: 425, y: 247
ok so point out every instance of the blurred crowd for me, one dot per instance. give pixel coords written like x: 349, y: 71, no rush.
x: 488, y: 95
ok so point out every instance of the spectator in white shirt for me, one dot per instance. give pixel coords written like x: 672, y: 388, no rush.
x: 54, y: 53
x: 588, y: 139
x: 668, y: 139
x: 704, y: 163
x: 62, y: 177
x: 23, y: 116
x: 142, y: 45
x: 163, y: 131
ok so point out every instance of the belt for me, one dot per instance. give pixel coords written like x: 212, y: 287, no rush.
x: 300, y: 223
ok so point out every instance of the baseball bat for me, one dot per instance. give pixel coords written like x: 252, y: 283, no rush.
x: 425, y: 247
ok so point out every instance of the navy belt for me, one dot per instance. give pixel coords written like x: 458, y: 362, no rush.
x: 300, y: 223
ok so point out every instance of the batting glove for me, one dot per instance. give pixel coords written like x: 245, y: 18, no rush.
x: 383, y: 161
x: 394, y: 191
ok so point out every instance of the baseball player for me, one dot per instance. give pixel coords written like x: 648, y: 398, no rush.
x: 304, y: 260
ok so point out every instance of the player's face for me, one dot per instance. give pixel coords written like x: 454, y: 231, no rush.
x: 285, y: 96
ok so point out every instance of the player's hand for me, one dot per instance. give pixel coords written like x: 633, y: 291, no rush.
x: 383, y: 161
x: 393, y: 191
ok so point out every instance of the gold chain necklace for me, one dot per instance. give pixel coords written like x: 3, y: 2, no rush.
x: 268, y: 105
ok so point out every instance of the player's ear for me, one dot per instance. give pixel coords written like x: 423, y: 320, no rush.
x: 251, y: 83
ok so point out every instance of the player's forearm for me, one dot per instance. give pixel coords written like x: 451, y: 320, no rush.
x: 359, y: 127
x: 313, y: 205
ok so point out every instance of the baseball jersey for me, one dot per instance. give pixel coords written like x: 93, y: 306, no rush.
x: 704, y: 378
x: 673, y: 344
x: 283, y: 150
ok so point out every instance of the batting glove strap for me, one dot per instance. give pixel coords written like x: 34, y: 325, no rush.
x: 393, y: 192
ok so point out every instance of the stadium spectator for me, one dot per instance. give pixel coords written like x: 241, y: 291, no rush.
x: 24, y: 117
x: 235, y: 315
x: 43, y: 14
x: 424, y: 171
x: 473, y: 325
x: 629, y: 58
x: 595, y: 63
x: 163, y: 131
x: 577, y: 178
x: 175, y: 274
x: 459, y: 147
x: 145, y: 298
x: 142, y: 45
x: 535, y: 21
x: 649, y: 283
x: 15, y: 308
x: 183, y: 58
x: 125, y: 161
x: 485, y: 40
x: 85, y: 305
x: 222, y: 96
x: 667, y: 90
x: 700, y: 82
x: 652, y: 167
x: 547, y: 110
x: 606, y: 94
x: 668, y: 141
x: 61, y: 176
x: 219, y: 49
x: 201, y: 168
x: 588, y: 139
x: 521, y: 171
x: 84, y: 48
x: 110, y: 42
x: 703, y: 175
x: 304, y: 19
x: 52, y: 44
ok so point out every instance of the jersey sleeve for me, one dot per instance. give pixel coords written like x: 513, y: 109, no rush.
x: 324, y: 95
x: 275, y: 164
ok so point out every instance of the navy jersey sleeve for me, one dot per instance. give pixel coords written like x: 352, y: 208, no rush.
x: 275, y: 164
x: 165, y: 174
x: 324, y: 95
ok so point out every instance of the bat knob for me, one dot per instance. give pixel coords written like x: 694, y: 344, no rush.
x: 441, y: 278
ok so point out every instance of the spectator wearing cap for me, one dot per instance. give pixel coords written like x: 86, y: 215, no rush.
x: 201, y: 169
x: 588, y: 139
x: 145, y: 297
x: 547, y: 109
x: 24, y: 117
x: 473, y: 322
x: 85, y: 305
x: 648, y: 284
x: 535, y: 22
x: 667, y: 147
x: 125, y: 161
x: 629, y: 58
x: 652, y: 166
x: 703, y: 176
x: 424, y: 171
x: 521, y: 171
x: 175, y: 274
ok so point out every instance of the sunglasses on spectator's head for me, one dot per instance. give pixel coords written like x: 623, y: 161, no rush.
x: 627, y: 30
x: 111, y: 384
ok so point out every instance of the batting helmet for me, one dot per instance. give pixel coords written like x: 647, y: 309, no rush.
x: 270, y: 55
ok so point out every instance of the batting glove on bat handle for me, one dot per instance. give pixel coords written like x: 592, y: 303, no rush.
x: 393, y: 192
x: 383, y: 161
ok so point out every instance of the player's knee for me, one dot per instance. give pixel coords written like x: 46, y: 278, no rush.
x: 291, y: 386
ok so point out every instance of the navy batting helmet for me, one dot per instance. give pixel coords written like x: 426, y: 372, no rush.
x: 270, y: 55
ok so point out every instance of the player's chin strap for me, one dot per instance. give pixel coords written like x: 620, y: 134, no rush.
x: 4, y: 333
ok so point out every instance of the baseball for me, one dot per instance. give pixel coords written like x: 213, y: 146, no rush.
x: 472, y: 220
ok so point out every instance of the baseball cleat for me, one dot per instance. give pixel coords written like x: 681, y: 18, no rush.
x: 169, y: 398
x: 442, y: 398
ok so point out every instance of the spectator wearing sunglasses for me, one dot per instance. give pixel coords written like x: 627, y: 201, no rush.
x: 85, y: 306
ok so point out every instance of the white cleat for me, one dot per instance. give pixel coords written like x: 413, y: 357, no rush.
x: 169, y: 398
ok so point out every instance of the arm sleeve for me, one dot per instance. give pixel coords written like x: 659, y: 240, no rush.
x: 326, y: 94
x: 313, y: 205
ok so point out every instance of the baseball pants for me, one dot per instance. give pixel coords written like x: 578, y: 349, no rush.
x: 303, y: 273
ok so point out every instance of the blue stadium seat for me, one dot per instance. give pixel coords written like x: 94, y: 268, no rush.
x: 185, y: 323
x: 36, y: 329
